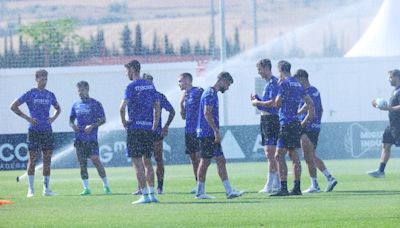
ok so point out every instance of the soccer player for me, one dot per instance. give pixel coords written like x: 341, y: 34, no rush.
x: 392, y: 132
x: 159, y: 135
x: 309, y: 135
x: 189, y: 105
x: 89, y: 115
x: 269, y: 123
x: 210, y: 138
x: 288, y: 99
x: 141, y: 100
x: 40, y: 134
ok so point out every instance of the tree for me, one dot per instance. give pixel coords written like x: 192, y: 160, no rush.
x: 197, y: 50
x: 84, y: 49
x: 48, y: 38
x: 168, y: 48
x: 49, y: 34
x: 114, y: 50
x: 228, y: 47
x: 212, y: 47
x: 100, y: 45
x: 155, y: 47
x: 24, y: 51
x: 331, y: 47
x: 236, y: 43
x: 185, y: 49
x: 126, y: 41
x: 138, y: 49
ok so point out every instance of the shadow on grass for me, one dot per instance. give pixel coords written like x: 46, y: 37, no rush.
x: 212, y: 202
x: 368, y: 192
x: 96, y: 194
x: 188, y: 193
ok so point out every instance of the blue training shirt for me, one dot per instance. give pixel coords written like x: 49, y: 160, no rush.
x: 165, y: 104
x: 292, y: 93
x: 39, y: 103
x: 315, y: 124
x: 192, y: 105
x: 269, y: 93
x: 141, y: 96
x: 86, y: 112
x: 209, y: 98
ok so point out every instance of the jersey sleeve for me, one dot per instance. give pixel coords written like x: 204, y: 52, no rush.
x: 282, y: 90
x: 156, y: 96
x: 275, y: 90
x: 199, y: 93
x: 53, y: 99
x: 209, y: 98
x: 128, y: 92
x: 394, y: 99
x: 99, y: 110
x: 25, y: 97
x: 318, y: 99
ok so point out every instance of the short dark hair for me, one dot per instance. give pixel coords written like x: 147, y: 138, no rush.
x: 225, y: 76
x: 148, y: 76
x: 395, y: 73
x: 187, y: 75
x: 284, y: 66
x: 264, y: 63
x: 133, y: 64
x: 41, y: 72
x: 300, y: 73
x: 82, y: 84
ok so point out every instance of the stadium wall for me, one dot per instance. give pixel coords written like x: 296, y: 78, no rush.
x: 240, y: 143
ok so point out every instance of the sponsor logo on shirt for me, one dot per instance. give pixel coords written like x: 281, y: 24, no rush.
x: 83, y: 109
x: 144, y: 123
x: 39, y: 101
x: 296, y: 84
x: 144, y: 87
x: 314, y: 125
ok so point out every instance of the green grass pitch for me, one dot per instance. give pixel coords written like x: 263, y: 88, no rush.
x: 357, y: 201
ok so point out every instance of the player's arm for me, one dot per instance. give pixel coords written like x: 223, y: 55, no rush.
x: 56, y: 113
x: 303, y: 109
x: 122, y: 113
x: 72, y: 118
x: 15, y: 108
x: 269, y: 103
x: 164, y: 131
x: 210, y: 120
x: 73, y: 125
x: 99, y: 122
x: 182, y: 106
x: 278, y: 101
x: 101, y: 119
x: 101, y: 116
x: 391, y: 108
x: 311, y: 110
x: 156, y: 114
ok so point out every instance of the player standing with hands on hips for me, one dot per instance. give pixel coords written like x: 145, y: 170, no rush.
x: 40, y: 133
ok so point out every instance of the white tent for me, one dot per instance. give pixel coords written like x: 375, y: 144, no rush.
x: 382, y: 38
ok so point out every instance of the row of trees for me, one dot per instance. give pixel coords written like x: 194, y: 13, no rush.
x: 54, y: 43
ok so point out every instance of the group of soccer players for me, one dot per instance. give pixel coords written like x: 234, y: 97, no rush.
x: 290, y: 108
x: 291, y: 112
x: 85, y: 118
